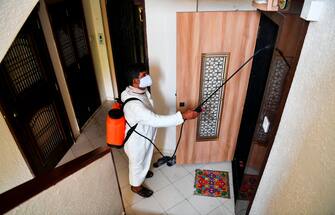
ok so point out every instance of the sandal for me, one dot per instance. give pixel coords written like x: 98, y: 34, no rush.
x: 149, y: 174
x: 144, y: 192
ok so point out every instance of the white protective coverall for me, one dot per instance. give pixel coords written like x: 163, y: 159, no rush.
x: 138, y: 149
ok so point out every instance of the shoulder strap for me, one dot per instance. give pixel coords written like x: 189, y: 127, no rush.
x: 130, y: 131
x: 132, y: 128
x: 130, y: 99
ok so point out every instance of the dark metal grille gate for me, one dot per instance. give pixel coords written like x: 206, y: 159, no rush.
x: 22, y: 66
x: 30, y: 99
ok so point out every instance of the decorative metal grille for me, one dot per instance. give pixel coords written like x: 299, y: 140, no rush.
x: 46, y: 130
x: 79, y: 39
x: 66, y: 48
x: 22, y: 65
x: 272, y: 96
x: 213, y: 73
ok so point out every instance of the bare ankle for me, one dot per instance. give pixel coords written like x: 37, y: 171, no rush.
x: 136, y: 188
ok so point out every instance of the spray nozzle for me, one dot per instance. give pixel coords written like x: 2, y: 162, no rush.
x: 199, y: 109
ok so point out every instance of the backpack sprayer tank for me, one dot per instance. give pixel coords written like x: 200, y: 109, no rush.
x: 115, y: 126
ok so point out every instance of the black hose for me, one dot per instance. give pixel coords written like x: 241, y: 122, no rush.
x: 147, y: 139
x: 181, y: 131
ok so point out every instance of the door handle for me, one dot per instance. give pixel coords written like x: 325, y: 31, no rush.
x: 140, y: 14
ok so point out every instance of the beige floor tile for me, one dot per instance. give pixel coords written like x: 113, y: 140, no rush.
x: 157, y: 182
x: 174, y: 173
x: 220, y: 211
x: 148, y: 206
x: 185, y: 185
x: 82, y: 146
x: 183, y: 208
x: 203, y: 204
x: 168, y: 197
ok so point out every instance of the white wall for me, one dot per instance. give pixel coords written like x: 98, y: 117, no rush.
x: 91, y: 190
x: 9, y: 26
x: 161, y: 39
x: 93, y: 18
x: 13, y: 168
x: 223, y: 5
x: 300, y: 173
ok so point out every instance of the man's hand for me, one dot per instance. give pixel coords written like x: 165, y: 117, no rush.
x: 190, y: 114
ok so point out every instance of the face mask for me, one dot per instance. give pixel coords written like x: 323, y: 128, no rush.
x: 145, y: 81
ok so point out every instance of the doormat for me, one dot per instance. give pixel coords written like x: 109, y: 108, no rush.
x: 211, y: 183
x: 248, y: 187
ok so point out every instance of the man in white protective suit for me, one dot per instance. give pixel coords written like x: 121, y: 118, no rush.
x: 138, y: 149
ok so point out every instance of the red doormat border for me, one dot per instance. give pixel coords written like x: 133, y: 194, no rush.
x: 248, y: 187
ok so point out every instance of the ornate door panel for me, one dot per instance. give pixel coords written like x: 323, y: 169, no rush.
x: 272, y: 97
x: 30, y: 99
x: 210, y: 47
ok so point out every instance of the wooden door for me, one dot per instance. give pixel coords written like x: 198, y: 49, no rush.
x: 210, y: 47
x: 30, y: 100
x: 69, y: 29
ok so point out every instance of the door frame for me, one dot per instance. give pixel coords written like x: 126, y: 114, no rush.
x: 63, y: 67
x: 57, y: 65
x: 280, y: 19
x: 118, y: 78
x: 103, y: 4
x: 237, y: 162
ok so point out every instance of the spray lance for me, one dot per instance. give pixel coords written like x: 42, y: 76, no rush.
x: 170, y: 161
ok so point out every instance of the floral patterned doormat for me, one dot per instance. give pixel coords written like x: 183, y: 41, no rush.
x: 211, y: 183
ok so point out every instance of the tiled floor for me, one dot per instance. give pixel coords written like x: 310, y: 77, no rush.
x: 172, y: 186
x: 91, y: 137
